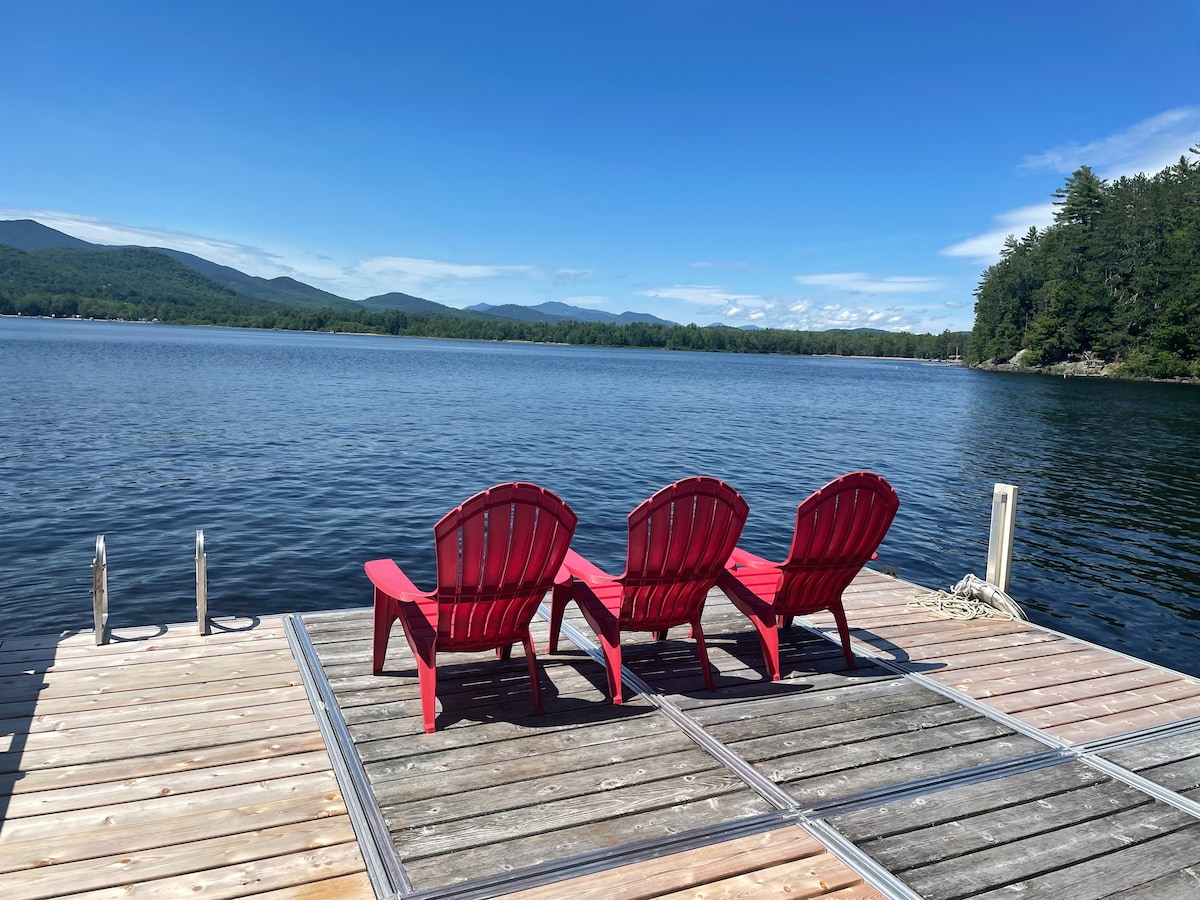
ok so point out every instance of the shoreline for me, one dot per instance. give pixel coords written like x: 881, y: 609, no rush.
x: 1079, y: 370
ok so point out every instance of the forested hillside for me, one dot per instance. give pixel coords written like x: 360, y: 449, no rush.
x: 1117, y: 276
x: 143, y: 284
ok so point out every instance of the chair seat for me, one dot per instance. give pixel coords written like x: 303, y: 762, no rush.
x: 838, y: 529
x: 497, y: 557
x: 678, y: 542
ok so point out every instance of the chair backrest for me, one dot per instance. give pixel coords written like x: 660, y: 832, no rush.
x: 838, y: 530
x: 497, y: 556
x: 679, y: 541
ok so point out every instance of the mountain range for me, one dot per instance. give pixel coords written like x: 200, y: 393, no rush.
x: 141, y: 269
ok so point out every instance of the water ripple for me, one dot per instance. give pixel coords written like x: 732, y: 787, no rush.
x: 303, y: 455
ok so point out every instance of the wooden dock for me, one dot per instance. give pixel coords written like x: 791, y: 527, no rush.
x: 960, y: 759
x: 167, y: 764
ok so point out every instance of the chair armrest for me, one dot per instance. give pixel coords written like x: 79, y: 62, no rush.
x: 584, y: 570
x: 746, y: 559
x: 387, y: 578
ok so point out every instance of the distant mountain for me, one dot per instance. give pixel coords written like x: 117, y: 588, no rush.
x: 409, y: 303
x: 122, y: 282
x: 581, y: 314
x: 554, y: 311
x: 521, y: 313
x: 278, y: 290
x: 26, y: 234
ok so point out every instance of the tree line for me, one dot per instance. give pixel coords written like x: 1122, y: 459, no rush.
x: 139, y: 284
x: 1116, y: 276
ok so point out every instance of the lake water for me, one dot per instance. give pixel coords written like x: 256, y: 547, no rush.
x: 303, y: 455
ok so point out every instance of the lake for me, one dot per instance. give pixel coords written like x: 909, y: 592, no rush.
x: 303, y: 455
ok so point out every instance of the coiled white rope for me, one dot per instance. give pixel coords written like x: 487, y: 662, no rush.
x: 971, y: 598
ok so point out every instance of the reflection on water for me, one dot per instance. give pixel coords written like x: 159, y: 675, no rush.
x: 302, y: 455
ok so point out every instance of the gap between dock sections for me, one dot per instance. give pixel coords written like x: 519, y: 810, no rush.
x: 390, y: 879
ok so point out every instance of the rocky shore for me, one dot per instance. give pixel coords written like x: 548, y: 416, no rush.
x: 1084, y: 368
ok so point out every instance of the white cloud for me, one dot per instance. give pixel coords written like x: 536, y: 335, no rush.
x: 705, y: 294
x: 1148, y: 146
x: 861, y: 283
x: 585, y: 301
x: 706, y: 264
x: 414, y: 269
x: 985, y: 248
x: 799, y: 314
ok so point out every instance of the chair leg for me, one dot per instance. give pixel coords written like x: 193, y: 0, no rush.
x: 427, y: 675
x: 768, y: 640
x: 702, y: 650
x: 559, y: 598
x: 839, y: 615
x: 612, y: 664
x: 385, y: 616
x: 533, y: 674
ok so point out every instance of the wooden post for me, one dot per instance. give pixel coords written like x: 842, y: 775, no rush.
x: 201, y: 584
x: 1000, y: 542
x: 100, y: 592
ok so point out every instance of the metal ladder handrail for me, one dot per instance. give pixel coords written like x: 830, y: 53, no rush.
x: 100, y: 591
x: 201, y: 585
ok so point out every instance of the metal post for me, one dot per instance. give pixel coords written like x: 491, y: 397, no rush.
x: 100, y: 592
x: 201, y: 584
x: 1000, y: 542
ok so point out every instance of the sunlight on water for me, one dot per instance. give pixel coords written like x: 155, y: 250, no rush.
x: 303, y: 455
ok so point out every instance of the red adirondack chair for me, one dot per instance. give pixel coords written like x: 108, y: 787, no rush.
x: 497, y: 557
x: 838, y: 530
x: 679, y: 541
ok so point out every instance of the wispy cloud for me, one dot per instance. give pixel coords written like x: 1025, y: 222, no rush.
x: 564, y: 277
x: 416, y: 270
x: 349, y: 278
x: 1148, y: 146
x: 779, y: 312
x: 707, y: 264
x: 985, y: 248
x: 862, y: 283
x: 585, y: 301
x: 246, y: 258
x: 706, y: 295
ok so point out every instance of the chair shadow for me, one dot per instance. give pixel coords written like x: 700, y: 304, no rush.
x: 499, y: 691
x: 489, y: 690
x: 673, y: 666
x: 894, y: 653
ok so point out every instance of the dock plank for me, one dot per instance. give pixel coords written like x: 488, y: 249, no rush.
x: 131, y: 871
x: 164, y: 763
x: 685, y: 870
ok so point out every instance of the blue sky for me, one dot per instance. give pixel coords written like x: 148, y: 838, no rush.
x: 786, y: 164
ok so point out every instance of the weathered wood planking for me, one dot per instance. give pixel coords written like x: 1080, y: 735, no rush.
x: 1072, y: 690
x: 164, y: 764
x: 497, y: 787
x: 1061, y: 831
x: 1173, y: 762
x: 151, y: 762
x: 785, y: 862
